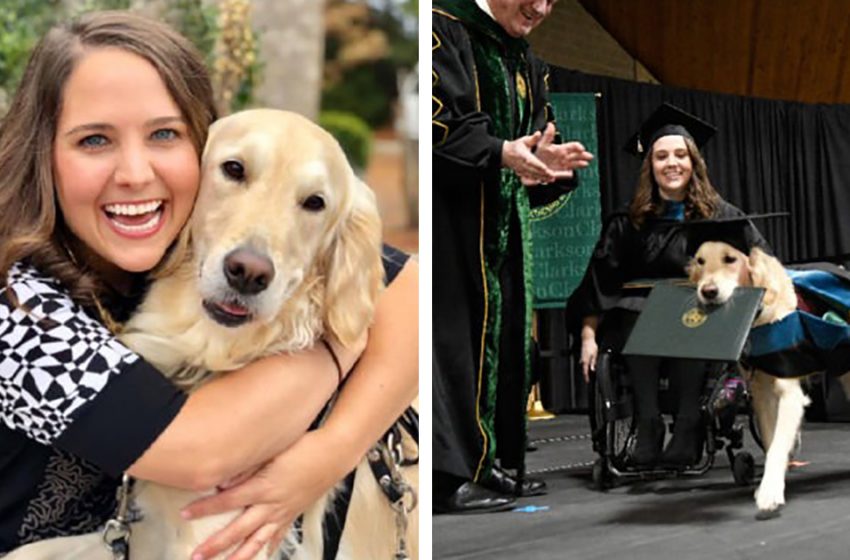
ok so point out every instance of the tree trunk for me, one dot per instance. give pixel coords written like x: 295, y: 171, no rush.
x: 291, y: 40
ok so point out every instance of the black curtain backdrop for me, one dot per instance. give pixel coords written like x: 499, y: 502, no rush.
x: 767, y: 156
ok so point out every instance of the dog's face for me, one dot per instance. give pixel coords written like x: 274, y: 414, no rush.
x: 281, y: 216
x: 717, y: 269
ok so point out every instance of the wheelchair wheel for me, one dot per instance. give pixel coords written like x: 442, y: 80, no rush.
x: 743, y: 468
x: 611, y: 417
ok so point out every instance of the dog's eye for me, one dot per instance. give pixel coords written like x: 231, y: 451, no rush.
x: 729, y: 259
x: 233, y: 169
x: 700, y: 261
x: 313, y: 203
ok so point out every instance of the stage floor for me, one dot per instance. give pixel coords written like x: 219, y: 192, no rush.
x: 708, y: 517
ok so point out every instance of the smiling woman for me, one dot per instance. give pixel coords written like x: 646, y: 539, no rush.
x: 126, y: 169
x: 671, y: 167
x: 648, y: 241
x: 100, y: 158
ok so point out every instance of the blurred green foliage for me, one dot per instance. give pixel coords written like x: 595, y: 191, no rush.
x: 196, y: 22
x: 366, y: 91
x: 23, y: 22
x: 369, y: 88
x: 352, y: 133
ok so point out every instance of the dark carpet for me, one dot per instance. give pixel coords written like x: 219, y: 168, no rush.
x: 706, y: 517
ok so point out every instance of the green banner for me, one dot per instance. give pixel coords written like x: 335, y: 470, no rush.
x: 564, y: 232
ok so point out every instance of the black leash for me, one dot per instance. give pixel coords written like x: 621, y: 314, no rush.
x: 385, y: 461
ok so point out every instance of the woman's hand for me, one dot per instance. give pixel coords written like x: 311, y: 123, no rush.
x: 589, y: 348
x: 272, y: 498
x: 589, y: 351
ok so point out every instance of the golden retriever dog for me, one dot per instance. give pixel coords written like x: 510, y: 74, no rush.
x: 778, y: 403
x: 285, y: 249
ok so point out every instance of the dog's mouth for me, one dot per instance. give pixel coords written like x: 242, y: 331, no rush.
x: 228, y: 313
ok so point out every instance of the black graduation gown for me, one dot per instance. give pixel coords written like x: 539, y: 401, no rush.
x: 474, y: 403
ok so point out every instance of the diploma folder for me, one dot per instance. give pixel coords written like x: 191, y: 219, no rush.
x: 673, y: 324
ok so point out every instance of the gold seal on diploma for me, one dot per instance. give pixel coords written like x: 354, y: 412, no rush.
x: 694, y: 317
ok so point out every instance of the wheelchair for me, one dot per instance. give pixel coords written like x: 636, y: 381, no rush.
x: 612, y: 421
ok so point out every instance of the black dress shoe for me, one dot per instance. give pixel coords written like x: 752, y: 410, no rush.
x: 472, y: 498
x: 648, y: 441
x: 500, y: 481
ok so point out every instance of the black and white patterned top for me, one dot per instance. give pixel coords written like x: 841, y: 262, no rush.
x: 76, y: 409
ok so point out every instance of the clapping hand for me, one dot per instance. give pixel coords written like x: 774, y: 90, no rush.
x: 519, y: 156
x: 559, y: 159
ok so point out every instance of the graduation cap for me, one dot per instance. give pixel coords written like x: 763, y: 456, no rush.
x: 736, y: 231
x: 667, y: 120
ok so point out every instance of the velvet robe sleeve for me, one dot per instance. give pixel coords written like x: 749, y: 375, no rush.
x: 461, y: 132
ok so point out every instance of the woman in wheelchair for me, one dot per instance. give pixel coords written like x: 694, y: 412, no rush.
x: 648, y: 242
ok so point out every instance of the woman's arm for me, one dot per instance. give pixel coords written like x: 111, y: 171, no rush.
x: 589, y: 347
x: 116, y: 411
x: 241, y: 419
x: 385, y: 380
x: 381, y: 386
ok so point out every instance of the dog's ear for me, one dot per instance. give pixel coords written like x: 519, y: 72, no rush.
x: 760, y: 273
x: 768, y: 273
x: 354, y: 273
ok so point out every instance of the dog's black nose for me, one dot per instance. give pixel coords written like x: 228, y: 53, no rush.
x: 709, y: 292
x: 247, y: 271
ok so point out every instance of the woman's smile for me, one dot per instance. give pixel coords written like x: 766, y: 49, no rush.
x: 135, y: 220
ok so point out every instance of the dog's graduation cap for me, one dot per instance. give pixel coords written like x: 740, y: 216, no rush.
x: 667, y: 120
x: 738, y: 231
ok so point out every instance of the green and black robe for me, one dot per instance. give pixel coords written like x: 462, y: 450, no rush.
x: 487, y: 88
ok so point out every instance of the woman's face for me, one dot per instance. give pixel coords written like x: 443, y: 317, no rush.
x: 672, y: 167
x: 126, y: 171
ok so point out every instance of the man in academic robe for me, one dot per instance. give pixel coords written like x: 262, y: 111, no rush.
x: 495, y: 147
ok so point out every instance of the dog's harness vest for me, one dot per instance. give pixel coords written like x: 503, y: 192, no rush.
x: 384, y: 460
